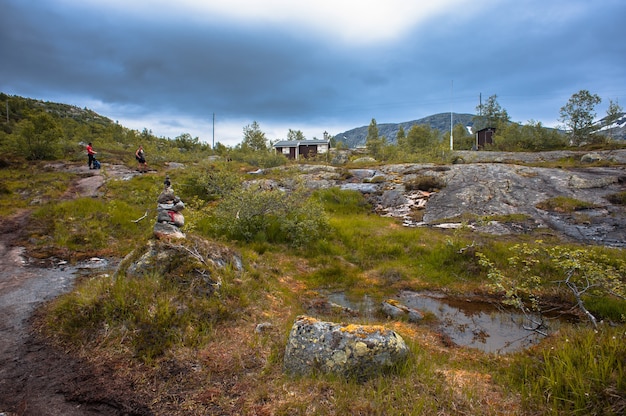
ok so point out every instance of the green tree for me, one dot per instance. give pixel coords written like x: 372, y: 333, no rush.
x: 253, y: 138
x: 372, y: 131
x: 185, y: 141
x: 38, y: 137
x: 578, y: 115
x: 463, y: 139
x: 490, y: 114
x: 613, y: 113
x: 532, y: 136
x: 421, y: 137
x: 401, y: 135
x: 295, y: 135
x: 374, y: 143
x: 376, y: 147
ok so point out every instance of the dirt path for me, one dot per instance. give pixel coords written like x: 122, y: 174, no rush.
x: 35, y: 377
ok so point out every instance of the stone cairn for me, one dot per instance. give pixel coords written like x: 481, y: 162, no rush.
x: 169, y: 217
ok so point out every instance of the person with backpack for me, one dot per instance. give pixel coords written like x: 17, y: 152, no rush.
x: 141, y: 159
x: 91, y: 155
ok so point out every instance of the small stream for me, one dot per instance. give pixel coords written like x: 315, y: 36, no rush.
x: 472, y: 324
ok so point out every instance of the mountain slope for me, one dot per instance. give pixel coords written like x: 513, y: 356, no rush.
x: 356, y: 137
x: 18, y: 109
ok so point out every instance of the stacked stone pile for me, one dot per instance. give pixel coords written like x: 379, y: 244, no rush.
x: 169, y: 217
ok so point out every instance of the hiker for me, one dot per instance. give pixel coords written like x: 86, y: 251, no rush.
x: 91, y: 154
x: 141, y: 159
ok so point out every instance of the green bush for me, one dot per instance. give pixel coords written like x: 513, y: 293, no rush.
x: 270, y: 216
x: 214, y: 183
x: 262, y: 159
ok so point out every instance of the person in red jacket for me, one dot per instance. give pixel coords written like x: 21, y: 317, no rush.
x: 91, y: 154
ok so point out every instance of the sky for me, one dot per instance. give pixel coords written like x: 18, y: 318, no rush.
x: 210, y: 68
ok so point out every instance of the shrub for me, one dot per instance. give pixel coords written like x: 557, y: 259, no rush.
x: 571, y: 273
x: 272, y: 216
x: 213, y: 184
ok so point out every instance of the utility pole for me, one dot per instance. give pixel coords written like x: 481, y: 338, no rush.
x: 451, y: 116
x: 213, y: 147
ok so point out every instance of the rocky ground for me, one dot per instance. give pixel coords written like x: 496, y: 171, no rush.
x: 496, y: 184
x: 38, y: 379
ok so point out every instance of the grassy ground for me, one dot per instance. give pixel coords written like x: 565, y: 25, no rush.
x: 185, y: 354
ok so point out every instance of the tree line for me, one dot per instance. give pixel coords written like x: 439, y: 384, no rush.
x: 36, y: 130
x: 577, y: 115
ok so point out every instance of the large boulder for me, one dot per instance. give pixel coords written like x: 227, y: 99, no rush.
x: 193, y: 261
x: 348, y: 350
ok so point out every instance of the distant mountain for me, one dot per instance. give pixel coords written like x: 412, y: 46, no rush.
x: 356, y: 137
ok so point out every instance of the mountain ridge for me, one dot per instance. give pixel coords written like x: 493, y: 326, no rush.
x: 356, y: 137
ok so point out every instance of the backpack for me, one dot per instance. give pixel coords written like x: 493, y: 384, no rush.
x: 96, y: 164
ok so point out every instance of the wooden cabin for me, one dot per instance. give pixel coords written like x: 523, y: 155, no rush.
x: 296, y: 149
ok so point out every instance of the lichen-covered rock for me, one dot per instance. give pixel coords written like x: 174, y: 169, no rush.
x: 348, y: 350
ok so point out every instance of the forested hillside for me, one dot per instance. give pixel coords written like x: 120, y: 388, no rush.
x: 42, y: 130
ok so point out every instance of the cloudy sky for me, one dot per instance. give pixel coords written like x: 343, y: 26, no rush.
x: 326, y: 65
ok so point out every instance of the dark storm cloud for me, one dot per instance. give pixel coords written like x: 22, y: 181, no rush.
x: 532, y: 54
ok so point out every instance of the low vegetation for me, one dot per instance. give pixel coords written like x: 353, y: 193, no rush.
x: 154, y: 321
x: 564, y: 204
x: 186, y: 352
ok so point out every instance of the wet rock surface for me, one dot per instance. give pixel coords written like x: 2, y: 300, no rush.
x: 36, y: 378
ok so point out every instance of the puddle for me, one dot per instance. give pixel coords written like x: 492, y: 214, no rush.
x: 477, y: 325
